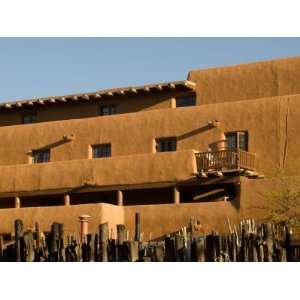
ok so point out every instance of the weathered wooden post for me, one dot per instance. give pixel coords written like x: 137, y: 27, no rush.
x: 121, y: 237
x: 170, y: 249
x: 179, y: 247
x: 269, y: 241
x: 1, y: 248
x: 159, y: 253
x: 37, y: 238
x: 18, y: 235
x: 28, y: 246
x: 61, y: 243
x: 55, y: 228
x: 260, y: 244
x: 287, y: 242
x: 103, y: 234
x: 137, y: 227
x: 243, y: 256
x: 96, y: 248
x: 200, y: 249
x: 86, y: 248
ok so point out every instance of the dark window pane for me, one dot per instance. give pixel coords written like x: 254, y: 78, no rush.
x: 41, y: 156
x: 231, y: 139
x: 166, y: 144
x: 186, y: 101
x: 243, y: 140
x: 236, y: 140
x: 107, y: 110
x: 101, y: 150
x: 29, y: 118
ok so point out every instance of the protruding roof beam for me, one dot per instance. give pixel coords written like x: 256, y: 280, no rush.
x: 190, y: 84
x: 113, y: 92
x: 133, y: 90
x: 172, y: 86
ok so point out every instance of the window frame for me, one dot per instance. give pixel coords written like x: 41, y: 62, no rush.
x: 165, y: 148
x: 238, y: 134
x: 40, y: 159
x: 178, y: 98
x: 103, y: 150
x: 30, y: 115
x: 110, y: 107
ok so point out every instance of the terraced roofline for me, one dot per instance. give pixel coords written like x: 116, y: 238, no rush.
x: 185, y: 85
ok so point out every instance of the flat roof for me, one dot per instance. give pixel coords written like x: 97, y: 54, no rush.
x: 73, y: 98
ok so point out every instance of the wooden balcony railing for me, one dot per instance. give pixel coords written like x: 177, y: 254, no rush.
x: 225, y: 160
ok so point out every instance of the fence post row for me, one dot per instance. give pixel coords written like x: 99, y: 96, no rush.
x: 250, y: 242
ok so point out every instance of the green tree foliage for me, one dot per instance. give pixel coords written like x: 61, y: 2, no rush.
x: 284, y: 205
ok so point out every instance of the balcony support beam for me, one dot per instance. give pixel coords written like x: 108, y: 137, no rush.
x: 176, y: 195
x: 66, y: 200
x: 17, y: 202
x: 120, y: 198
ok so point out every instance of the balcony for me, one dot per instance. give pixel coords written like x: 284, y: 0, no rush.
x: 225, y: 160
x: 62, y: 176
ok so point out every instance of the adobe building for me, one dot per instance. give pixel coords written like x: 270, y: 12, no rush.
x: 209, y: 147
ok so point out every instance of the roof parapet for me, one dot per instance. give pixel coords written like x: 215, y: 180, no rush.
x: 159, y: 87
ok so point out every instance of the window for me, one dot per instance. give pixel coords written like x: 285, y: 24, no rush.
x: 186, y: 101
x: 108, y: 110
x: 237, y: 140
x: 29, y: 118
x: 166, y: 144
x: 103, y: 150
x: 40, y: 156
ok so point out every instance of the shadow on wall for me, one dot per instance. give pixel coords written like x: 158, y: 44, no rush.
x: 194, y: 132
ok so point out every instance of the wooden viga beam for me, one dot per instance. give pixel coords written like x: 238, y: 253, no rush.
x: 210, y: 193
x: 190, y: 84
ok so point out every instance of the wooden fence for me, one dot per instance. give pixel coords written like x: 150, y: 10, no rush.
x: 248, y: 243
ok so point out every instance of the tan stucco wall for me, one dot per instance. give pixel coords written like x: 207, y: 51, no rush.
x: 258, y: 196
x: 123, y: 170
x: 247, y: 81
x: 99, y: 213
x: 271, y: 122
x: 227, y: 94
x: 91, y: 108
x: 157, y: 220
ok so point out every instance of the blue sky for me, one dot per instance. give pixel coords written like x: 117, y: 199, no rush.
x: 36, y: 67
